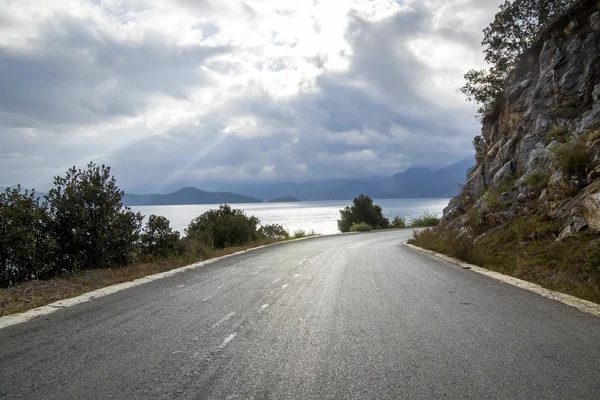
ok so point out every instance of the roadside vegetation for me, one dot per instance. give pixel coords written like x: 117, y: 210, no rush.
x: 526, y: 248
x: 363, y: 216
x: 79, y: 237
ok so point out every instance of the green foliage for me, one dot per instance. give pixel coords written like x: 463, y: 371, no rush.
x: 572, y: 157
x: 158, y: 238
x: 361, y: 227
x: 425, y: 220
x: 538, y: 181
x: 25, y: 244
x: 224, y: 227
x: 274, y: 232
x: 398, y: 222
x: 300, y: 233
x: 362, y: 210
x: 514, y: 29
x: 91, y: 227
x: 558, y: 133
x: 480, y: 147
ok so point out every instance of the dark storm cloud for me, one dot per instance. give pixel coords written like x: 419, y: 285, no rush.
x: 65, y: 96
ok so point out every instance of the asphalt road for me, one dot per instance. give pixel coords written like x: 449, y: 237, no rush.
x: 345, y: 317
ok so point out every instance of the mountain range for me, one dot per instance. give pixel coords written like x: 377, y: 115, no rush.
x: 187, y: 195
x: 414, y: 182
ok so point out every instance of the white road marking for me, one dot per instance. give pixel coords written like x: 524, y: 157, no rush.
x: 15, y: 319
x: 275, y: 281
x: 227, y: 340
x: 255, y: 273
x: 223, y: 320
x: 301, y: 262
x: 206, y: 298
x: 580, y: 304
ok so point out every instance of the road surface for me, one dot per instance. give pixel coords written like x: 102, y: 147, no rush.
x: 343, y: 317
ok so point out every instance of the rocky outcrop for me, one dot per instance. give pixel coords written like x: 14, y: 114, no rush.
x: 543, y: 138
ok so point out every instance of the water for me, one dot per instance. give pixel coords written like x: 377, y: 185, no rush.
x: 320, y: 216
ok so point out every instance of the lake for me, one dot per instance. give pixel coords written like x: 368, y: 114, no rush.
x: 320, y: 216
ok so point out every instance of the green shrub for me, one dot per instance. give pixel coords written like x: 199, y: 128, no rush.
x: 25, y: 245
x: 224, y: 227
x: 362, y: 210
x: 361, y: 227
x: 425, y: 220
x: 398, y: 222
x: 572, y: 157
x: 558, y: 133
x: 274, y: 232
x: 91, y: 227
x: 158, y: 239
x: 537, y: 181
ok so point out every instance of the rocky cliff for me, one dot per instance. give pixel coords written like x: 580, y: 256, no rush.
x: 542, y: 154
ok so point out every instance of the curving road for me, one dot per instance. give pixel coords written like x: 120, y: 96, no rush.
x: 343, y: 317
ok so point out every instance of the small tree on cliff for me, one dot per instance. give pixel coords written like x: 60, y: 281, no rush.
x: 362, y: 211
x: 512, y: 32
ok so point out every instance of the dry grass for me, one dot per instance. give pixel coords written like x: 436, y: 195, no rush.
x: 32, y: 294
x: 526, y: 249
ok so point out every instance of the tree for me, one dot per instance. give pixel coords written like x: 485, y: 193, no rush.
x: 480, y: 147
x: 91, y: 227
x: 158, y: 238
x: 362, y: 211
x: 24, y: 241
x: 513, y: 31
x: 224, y: 227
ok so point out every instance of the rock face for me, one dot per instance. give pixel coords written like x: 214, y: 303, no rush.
x: 543, y: 151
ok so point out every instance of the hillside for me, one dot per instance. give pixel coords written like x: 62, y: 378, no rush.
x: 531, y: 207
x: 187, y: 195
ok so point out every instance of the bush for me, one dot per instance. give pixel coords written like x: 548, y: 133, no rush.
x: 158, y: 239
x: 425, y: 220
x: 273, y: 232
x: 224, y: 227
x: 537, y: 181
x: 572, y: 157
x: 300, y: 233
x: 362, y: 211
x: 91, y: 227
x: 362, y: 227
x: 25, y: 245
x: 398, y: 222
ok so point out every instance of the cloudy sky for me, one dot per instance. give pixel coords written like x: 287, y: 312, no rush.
x: 199, y: 92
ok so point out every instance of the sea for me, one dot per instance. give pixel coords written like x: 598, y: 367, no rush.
x: 318, y: 216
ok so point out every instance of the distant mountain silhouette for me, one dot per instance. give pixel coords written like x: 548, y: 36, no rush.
x: 187, y: 195
x: 414, y: 182
x: 284, y: 199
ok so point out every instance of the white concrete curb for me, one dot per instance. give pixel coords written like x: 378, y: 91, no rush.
x: 15, y: 319
x: 580, y: 304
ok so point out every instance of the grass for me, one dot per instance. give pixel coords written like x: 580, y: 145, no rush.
x: 32, y: 294
x: 362, y: 227
x: 538, y: 181
x: 572, y: 157
x: 526, y: 249
x: 300, y: 233
x: 424, y: 221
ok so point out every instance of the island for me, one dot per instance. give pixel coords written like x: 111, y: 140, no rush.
x: 284, y: 199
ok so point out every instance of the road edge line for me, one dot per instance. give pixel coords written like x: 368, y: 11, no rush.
x: 572, y: 301
x: 19, y: 318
